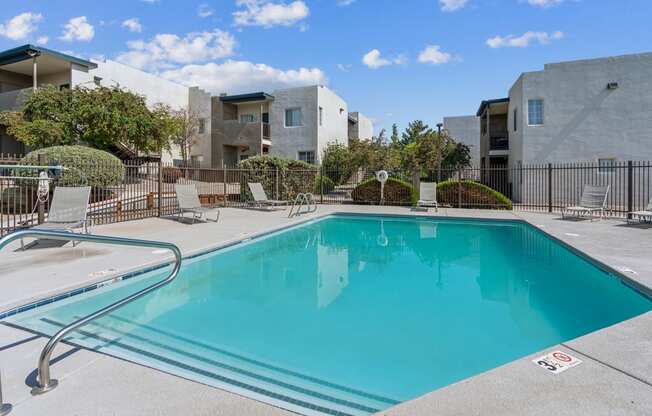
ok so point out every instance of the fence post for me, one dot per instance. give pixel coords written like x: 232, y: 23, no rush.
x: 549, y: 187
x: 224, y: 186
x: 459, y: 187
x: 160, y: 186
x: 5, y: 408
x: 42, y: 161
x: 321, y: 184
x: 630, y: 188
x: 276, y: 182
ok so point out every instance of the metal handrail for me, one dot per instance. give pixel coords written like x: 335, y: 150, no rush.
x: 302, y: 199
x: 45, y: 383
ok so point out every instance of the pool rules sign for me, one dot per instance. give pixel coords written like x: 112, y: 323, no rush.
x: 557, y: 362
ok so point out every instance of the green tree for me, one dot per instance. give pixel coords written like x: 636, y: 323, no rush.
x: 99, y: 117
x: 414, y: 131
x: 336, y: 162
x: 394, y: 138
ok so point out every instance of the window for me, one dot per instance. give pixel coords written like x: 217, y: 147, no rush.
x: 535, y: 112
x: 308, y: 157
x: 247, y: 118
x: 515, y: 119
x: 97, y: 80
x: 64, y: 87
x: 607, y: 165
x: 321, y: 116
x: 293, y: 117
x: 201, y: 128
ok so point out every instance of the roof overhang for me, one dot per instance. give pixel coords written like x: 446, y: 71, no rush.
x: 19, y: 60
x: 488, y: 103
x: 246, y: 98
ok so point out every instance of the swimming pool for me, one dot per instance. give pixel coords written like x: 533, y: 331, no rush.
x: 353, y: 314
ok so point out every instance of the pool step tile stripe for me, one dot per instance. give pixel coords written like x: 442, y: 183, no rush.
x: 319, y: 400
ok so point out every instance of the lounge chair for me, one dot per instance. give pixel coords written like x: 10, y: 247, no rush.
x: 594, y: 199
x: 260, y: 198
x: 427, y: 195
x: 67, y: 211
x: 188, y: 201
x: 641, y: 216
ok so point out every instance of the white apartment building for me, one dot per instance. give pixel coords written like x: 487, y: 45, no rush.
x: 28, y: 67
x: 597, y: 110
x: 465, y: 130
x: 297, y: 123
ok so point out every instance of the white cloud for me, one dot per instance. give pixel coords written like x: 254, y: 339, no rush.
x: 344, y: 67
x: 78, y: 28
x: 133, y: 25
x: 150, y: 1
x: 374, y: 59
x: 20, y: 26
x: 204, y: 10
x: 166, y: 50
x: 267, y: 13
x: 345, y: 3
x: 545, y: 3
x: 524, y: 40
x: 452, y: 5
x: 236, y: 77
x: 433, y: 54
x: 42, y: 40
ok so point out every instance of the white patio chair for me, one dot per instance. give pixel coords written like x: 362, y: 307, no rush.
x: 188, y: 201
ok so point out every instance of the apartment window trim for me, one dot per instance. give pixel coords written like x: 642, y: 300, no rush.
x: 543, y: 112
x: 285, y: 118
x: 311, y: 160
x: 201, y: 126
x: 515, y: 119
x: 321, y: 116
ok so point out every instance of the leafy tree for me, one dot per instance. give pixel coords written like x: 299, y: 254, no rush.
x: 336, y: 162
x: 395, y: 139
x: 415, y: 130
x: 185, y: 132
x: 99, y: 117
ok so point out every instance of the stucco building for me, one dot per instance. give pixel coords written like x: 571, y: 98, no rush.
x: 297, y: 123
x: 466, y: 130
x: 28, y: 67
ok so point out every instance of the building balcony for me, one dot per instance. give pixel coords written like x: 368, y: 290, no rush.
x: 499, y: 143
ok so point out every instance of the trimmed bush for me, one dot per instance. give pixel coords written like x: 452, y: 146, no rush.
x: 473, y: 194
x: 86, y: 166
x: 170, y: 174
x: 323, y: 184
x: 289, y: 176
x: 397, y: 192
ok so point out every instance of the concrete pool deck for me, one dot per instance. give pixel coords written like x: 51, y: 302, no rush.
x: 614, y: 378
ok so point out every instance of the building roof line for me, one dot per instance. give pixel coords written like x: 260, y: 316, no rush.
x: 22, y: 53
x: 485, y: 103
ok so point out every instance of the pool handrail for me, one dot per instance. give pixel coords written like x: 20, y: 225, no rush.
x: 44, y: 382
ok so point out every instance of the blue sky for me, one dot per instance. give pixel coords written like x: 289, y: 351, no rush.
x: 394, y: 60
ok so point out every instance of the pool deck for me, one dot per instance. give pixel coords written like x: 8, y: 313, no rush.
x: 615, y: 377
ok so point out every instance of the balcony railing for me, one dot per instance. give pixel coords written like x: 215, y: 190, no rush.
x: 499, y: 143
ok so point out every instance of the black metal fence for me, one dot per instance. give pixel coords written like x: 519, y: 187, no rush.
x: 137, y: 190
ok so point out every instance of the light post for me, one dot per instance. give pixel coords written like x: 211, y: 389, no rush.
x: 439, y: 126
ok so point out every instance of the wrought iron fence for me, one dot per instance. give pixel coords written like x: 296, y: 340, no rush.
x: 138, y: 190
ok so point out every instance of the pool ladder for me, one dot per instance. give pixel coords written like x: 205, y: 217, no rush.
x: 303, y: 199
x: 44, y: 382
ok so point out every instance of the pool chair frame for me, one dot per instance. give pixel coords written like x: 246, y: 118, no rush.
x: 641, y: 216
x: 594, y: 199
x: 260, y: 198
x: 427, y: 196
x: 189, y: 202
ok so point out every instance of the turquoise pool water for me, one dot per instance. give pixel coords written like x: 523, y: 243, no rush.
x: 350, y: 315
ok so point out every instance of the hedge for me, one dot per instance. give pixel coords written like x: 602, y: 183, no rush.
x: 472, y: 193
x: 86, y: 166
x: 323, y: 184
x: 397, y: 192
x: 293, y: 176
